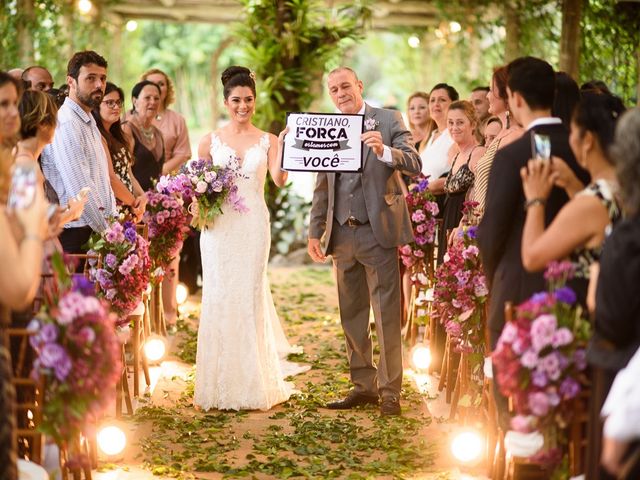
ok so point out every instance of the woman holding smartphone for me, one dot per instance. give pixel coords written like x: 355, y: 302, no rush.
x: 579, y: 229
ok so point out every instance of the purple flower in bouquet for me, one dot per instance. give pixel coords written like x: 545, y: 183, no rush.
x: 470, y: 252
x: 111, y: 293
x: 453, y: 329
x: 236, y: 201
x: 558, y: 271
x: 540, y: 297
x: 51, y: 355
x: 472, y: 232
x: 553, y: 397
x: 80, y: 283
x: 542, y: 330
x: 128, y: 264
x: 210, y: 176
x: 130, y: 235
x: 115, y: 233
x: 539, y: 378
x: 565, y: 295
x: 562, y: 337
x: 569, y: 388
x: 217, y: 186
x: 539, y: 404
x: 48, y: 333
x: 580, y: 358
x: 463, y: 276
x: 551, y: 365
x: 529, y: 359
x: 418, y: 216
x: 423, y: 184
x: 420, y: 240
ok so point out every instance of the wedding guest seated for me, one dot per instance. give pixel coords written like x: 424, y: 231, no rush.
x: 76, y: 160
x: 145, y: 138
x: 617, y: 319
x: 38, y: 78
x: 579, y: 229
x: 125, y: 187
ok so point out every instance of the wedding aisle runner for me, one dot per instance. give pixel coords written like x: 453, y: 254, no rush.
x: 295, y: 439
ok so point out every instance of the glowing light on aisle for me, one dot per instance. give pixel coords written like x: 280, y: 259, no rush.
x: 467, y: 447
x: 154, y: 348
x: 182, y: 293
x: 111, y: 440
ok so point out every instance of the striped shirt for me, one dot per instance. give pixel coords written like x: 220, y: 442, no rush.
x: 77, y: 159
x: 481, y: 182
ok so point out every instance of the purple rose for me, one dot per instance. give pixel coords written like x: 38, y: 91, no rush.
x: 569, y: 388
x: 565, y: 295
x: 48, y: 333
x: 539, y: 404
x: 51, y: 354
x: 62, y: 367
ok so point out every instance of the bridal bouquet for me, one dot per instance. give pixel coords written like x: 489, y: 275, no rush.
x: 205, y: 188
x: 423, y: 210
x: 460, y: 290
x: 78, y: 353
x: 126, y: 268
x: 541, y: 355
x: 168, y: 225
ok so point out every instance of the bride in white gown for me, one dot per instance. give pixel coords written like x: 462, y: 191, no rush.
x: 240, y: 363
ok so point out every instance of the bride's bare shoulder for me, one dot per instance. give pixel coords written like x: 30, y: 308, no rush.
x: 204, y: 146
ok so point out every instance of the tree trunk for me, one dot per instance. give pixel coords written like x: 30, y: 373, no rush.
x: 26, y: 23
x: 215, y: 56
x: 570, y: 37
x: 512, y: 27
x: 67, y: 23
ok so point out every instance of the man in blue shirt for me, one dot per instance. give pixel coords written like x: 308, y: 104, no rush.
x: 76, y: 162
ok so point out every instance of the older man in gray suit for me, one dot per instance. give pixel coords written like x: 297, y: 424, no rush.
x: 364, y: 218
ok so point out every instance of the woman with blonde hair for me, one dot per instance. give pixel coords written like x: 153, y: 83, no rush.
x: 420, y: 123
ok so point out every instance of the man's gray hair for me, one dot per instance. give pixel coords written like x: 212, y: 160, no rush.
x: 344, y: 69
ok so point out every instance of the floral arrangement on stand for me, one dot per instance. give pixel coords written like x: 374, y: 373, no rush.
x: 79, y: 355
x: 423, y: 210
x: 168, y: 224
x: 541, y: 357
x: 125, y: 271
x: 205, y: 188
x: 460, y: 290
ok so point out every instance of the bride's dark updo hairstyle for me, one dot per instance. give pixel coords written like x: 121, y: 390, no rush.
x: 237, y: 76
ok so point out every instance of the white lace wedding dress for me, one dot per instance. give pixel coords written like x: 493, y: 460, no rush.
x: 240, y: 362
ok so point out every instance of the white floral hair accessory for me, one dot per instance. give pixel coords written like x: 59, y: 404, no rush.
x: 371, y: 123
x: 252, y: 74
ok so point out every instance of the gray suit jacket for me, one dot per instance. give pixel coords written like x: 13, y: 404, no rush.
x: 381, y: 184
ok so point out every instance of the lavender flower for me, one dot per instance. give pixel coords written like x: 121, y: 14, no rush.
x: 542, y: 330
x: 130, y: 235
x: 565, y: 295
x: 569, y: 388
x: 48, y: 333
x: 539, y: 379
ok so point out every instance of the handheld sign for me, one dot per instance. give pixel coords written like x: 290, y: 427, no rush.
x: 323, y: 142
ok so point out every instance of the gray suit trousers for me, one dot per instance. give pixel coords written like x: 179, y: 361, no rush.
x: 368, y: 274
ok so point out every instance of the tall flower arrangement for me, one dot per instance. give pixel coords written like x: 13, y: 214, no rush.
x: 461, y: 290
x: 206, y: 188
x: 168, y: 225
x: 541, y: 355
x: 423, y: 210
x: 126, y: 267
x: 78, y: 353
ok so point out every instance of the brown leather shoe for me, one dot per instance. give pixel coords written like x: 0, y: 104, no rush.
x: 390, y: 406
x: 353, y: 399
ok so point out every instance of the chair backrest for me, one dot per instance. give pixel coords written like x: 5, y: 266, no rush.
x: 29, y: 394
x: 85, y: 261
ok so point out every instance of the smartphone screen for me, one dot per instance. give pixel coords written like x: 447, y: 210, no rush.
x: 540, y: 146
x: 23, y: 187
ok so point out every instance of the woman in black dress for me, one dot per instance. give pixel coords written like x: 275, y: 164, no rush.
x: 146, y: 140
